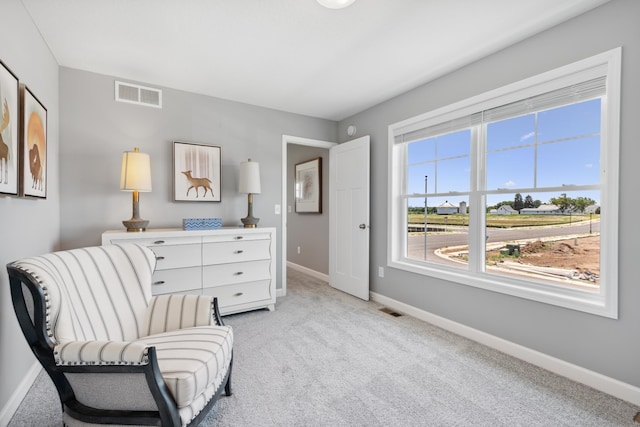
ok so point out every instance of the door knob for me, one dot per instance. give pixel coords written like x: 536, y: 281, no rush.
x: 362, y: 226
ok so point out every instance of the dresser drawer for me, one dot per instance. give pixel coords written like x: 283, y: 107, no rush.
x: 236, y: 237
x: 177, y: 256
x: 241, y: 293
x: 237, y: 272
x: 159, y: 241
x: 236, y: 251
x: 177, y: 280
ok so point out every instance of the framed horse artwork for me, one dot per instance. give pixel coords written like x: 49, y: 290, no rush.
x: 33, y: 132
x: 196, y: 172
x: 9, y: 129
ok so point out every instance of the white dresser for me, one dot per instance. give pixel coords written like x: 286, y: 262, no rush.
x: 237, y: 265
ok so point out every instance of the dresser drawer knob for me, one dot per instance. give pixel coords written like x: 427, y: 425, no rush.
x: 159, y: 282
x: 158, y: 242
x: 159, y: 258
x: 238, y: 252
x: 239, y: 237
x: 239, y: 294
x: 238, y: 273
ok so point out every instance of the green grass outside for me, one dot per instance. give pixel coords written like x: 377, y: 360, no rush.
x: 503, y: 221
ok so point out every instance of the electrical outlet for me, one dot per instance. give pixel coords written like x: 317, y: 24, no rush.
x: 381, y: 271
x: 277, y: 209
x: 298, y: 250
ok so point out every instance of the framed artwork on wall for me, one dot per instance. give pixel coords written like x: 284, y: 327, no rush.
x: 308, y: 186
x: 33, y: 134
x: 9, y: 131
x: 196, y: 172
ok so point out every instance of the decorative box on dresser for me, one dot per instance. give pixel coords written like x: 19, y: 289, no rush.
x: 237, y: 265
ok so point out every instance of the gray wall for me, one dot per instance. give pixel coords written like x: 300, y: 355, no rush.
x: 310, y: 231
x: 95, y: 130
x: 608, y: 346
x: 28, y: 226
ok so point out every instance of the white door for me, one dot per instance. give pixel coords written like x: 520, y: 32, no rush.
x: 349, y: 217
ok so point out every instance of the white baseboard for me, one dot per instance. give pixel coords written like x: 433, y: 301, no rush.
x: 576, y: 373
x: 18, y: 395
x: 308, y: 271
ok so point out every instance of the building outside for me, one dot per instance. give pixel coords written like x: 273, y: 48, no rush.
x: 446, y: 208
x: 542, y: 210
x: 506, y: 210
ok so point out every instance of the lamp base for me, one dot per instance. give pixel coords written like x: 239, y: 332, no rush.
x: 250, y: 222
x: 135, y: 224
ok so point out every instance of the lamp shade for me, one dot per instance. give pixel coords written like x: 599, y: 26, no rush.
x: 136, y: 171
x: 249, y: 177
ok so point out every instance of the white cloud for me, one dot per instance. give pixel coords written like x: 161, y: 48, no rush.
x: 509, y: 184
x: 588, y: 165
x: 527, y: 136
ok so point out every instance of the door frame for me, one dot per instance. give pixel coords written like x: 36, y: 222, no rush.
x: 286, y: 140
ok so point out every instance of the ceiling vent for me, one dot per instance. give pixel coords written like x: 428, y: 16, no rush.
x: 140, y: 95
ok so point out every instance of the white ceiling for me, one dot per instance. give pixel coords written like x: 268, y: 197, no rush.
x: 290, y: 55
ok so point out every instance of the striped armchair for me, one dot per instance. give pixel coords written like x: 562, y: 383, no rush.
x: 116, y: 354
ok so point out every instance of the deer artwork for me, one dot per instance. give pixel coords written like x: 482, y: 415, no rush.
x: 36, y: 167
x: 197, y: 183
x: 4, y: 148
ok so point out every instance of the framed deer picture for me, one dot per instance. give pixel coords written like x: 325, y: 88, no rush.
x: 196, y: 172
x: 33, y: 132
x: 9, y: 130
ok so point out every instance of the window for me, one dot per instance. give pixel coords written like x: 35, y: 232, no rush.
x: 515, y: 190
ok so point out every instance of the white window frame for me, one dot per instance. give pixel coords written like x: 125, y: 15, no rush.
x: 604, y: 302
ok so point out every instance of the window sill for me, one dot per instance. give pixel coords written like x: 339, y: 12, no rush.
x: 561, y: 296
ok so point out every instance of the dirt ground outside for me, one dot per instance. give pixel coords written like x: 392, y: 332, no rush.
x: 579, y: 254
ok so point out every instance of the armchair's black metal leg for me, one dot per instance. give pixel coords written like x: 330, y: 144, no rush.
x: 227, y: 386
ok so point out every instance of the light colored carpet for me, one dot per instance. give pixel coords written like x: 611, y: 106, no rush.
x: 324, y: 358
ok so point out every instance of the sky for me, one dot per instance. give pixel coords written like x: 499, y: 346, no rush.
x: 550, y: 148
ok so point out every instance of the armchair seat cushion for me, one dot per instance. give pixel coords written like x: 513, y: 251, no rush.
x: 193, y: 361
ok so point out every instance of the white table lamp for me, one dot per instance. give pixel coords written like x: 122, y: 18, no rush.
x: 250, y: 183
x: 135, y: 177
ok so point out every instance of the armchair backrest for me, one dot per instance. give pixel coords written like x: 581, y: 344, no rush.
x: 94, y: 293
